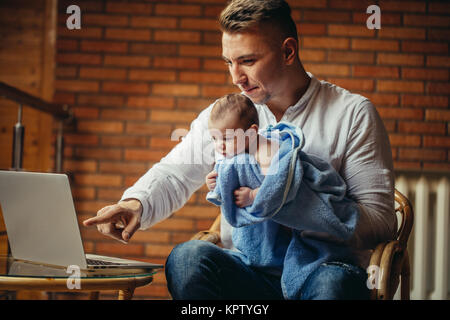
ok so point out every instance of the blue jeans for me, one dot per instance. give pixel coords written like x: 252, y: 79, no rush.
x: 201, y: 270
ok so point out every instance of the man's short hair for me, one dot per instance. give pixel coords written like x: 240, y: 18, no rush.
x: 240, y: 15
x: 236, y: 103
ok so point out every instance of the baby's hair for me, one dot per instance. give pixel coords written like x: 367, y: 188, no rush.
x: 238, y: 103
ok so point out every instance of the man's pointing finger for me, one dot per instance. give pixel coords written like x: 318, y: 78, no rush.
x: 106, y: 216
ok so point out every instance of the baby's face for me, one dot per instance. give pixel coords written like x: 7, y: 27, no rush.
x: 229, y: 137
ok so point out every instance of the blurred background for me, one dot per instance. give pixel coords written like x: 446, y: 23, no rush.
x: 138, y: 70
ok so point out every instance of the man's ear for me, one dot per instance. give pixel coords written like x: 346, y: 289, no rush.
x: 290, y: 48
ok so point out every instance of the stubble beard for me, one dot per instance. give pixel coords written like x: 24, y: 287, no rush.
x: 263, y: 100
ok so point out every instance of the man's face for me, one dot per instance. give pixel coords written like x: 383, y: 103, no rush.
x: 255, y: 63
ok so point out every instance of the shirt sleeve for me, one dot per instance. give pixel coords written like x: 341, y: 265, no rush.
x: 169, y: 184
x: 368, y: 171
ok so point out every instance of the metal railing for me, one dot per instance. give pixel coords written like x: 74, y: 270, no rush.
x: 60, y: 112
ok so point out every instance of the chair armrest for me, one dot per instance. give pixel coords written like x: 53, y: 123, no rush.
x: 388, y: 257
x: 374, y: 269
x: 388, y: 270
x: 210, y: 236
x: 394, y: 264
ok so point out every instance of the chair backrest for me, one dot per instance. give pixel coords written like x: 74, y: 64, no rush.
x: 405, y: 210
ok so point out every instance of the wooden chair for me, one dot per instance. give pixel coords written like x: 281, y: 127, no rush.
x: 389, y: 260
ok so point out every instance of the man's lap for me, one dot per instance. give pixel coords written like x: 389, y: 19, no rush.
x: 201, y: 270
x: 206, y: 271
x: 336, y: 281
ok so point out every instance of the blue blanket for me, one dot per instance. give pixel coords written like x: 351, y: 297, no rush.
x: 300, y: 192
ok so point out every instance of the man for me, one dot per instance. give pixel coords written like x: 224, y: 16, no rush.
x: 260, y: 46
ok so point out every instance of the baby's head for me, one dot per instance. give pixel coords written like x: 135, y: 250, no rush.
x: 233, y: 124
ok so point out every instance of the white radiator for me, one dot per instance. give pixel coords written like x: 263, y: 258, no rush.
x: 428, y: 245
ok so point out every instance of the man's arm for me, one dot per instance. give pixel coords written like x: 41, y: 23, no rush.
x: 168, y: 184
x: 368, y: 171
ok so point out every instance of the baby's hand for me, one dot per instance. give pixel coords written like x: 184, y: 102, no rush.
x: 211, y: 180
x: 244, y: 196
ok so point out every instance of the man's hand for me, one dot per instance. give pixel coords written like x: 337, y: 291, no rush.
x: 211, y: 180
x: 244, y: 196
x: 119, y: 221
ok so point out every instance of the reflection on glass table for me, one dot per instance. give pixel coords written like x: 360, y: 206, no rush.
x: 22, y: 275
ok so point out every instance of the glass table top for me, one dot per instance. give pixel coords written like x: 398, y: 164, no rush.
x: 10, y: 267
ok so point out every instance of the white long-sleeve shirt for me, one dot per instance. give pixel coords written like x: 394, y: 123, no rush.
x: 340, y: 127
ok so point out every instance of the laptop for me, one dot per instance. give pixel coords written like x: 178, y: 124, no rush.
x: 42, y: 225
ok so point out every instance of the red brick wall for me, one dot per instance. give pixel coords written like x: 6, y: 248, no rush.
x: 136, y: 71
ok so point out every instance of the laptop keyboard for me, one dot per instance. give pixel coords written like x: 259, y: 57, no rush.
x: 102, y: 263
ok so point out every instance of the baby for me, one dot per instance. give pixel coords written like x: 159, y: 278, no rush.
x: 274, y: 197
x: 233, y: 125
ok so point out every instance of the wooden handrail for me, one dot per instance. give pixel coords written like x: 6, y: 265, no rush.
x: 59, y: 111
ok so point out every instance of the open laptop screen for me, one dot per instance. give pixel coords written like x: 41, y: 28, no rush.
x: 40, y: 218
